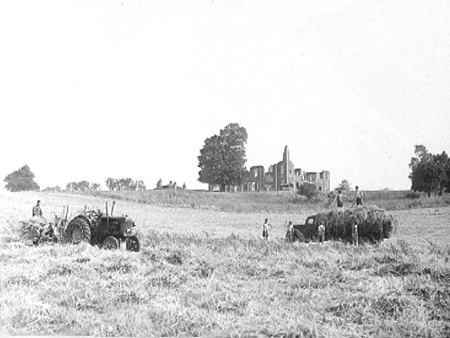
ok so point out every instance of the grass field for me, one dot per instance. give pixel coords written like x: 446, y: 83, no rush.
x: 269, y: 202
x: 206, y: 272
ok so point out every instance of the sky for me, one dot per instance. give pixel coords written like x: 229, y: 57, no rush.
x: 98, y: 89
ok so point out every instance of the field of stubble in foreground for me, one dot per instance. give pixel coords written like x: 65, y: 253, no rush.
x: 208, y: 273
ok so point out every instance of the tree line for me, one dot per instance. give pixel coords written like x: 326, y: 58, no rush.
x: 23, y: 180
x: 222, y: 162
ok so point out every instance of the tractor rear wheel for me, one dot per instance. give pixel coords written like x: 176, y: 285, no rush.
x: 133, y: 244
x: 78, y: 231
x: 111, y: 243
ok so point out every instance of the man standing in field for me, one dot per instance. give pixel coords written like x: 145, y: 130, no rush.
x: 290, y: 233
x: 358, y: 196
x: 37, y: 211
x: 321, y: 232
x: 355, y: 233
x: 265, y: 232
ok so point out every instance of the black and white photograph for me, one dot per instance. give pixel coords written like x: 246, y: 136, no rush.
x: 225, y: 168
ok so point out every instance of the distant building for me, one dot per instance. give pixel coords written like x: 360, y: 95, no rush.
x: 280, y: 176
x: 284, y: 176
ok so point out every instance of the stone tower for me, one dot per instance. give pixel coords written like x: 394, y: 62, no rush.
x: 286, y: 162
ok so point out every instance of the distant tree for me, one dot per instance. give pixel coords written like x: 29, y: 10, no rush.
x: 429, y: 173
x: 344, y: 186
x: 83, y: 186
x: 184, y: 186
x: 309, y: 190
x: 53, y: 189
x: 126, y: 183
x: 140, y: 185
x: 21, y: 180
x: 223, y: 157
x: 95, y: 186
x: 72, y: 186
x: 159, y: 184
x: 447, y: 171
x: 112, y: 184
x: 80, y: 186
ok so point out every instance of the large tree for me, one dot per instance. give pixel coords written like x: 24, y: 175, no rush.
x: 309, y: 190
x: 222, y: 158
x: 344, y: 186
x: 429, y: 173
x: 21, y: 180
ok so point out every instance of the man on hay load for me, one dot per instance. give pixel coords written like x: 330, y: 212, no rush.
x: 340, y: 199
x: 358, y: 196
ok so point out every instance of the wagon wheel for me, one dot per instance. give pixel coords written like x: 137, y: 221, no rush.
x: 298, y: 236
x: 111, y: 243
x: 78, y: 231
x: 133, y: 244
x: 372, y: 239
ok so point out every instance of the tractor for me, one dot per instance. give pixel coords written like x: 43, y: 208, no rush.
x: 39, y: 230
x: 103, y: 229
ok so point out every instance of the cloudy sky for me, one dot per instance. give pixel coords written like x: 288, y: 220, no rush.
x: 98, y: 89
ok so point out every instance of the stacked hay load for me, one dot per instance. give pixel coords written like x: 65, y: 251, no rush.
x: 373, y: 223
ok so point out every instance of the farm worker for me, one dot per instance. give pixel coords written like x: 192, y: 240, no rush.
x: 340, y: 199
x: 265, y: 232
x: 37, y: 211
x: 321, y: 232
x: 355, y: 233
x: 358, y: 196
x: 290, y: 233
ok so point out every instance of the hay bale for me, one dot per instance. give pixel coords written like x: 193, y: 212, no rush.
x: 373, y: 223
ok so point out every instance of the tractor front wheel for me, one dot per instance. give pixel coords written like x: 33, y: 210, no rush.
x: 111, y: 243
x: 133, y: 244
x: 78, y: 231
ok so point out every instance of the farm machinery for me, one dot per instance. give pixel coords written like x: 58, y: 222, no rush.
x: 91, y: 225
x: 40, y: 230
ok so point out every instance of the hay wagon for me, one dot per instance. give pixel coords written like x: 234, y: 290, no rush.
x: 372, y: 224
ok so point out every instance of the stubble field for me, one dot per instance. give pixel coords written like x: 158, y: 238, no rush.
x: 208, y: 273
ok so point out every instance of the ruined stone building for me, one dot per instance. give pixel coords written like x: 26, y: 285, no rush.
x: 284, y: 176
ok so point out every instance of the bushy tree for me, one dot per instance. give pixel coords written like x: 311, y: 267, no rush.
x: 112, y: 184
x: 21, y: 180
x: 344, y: 186
x: 140, y: 185
x: 53, y: 189
x: 309, y: 190
x: 125, y: 183
x: 223, y: 157
x: 72, y: 186
x: 429, y: 173
x: 83, y: 186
